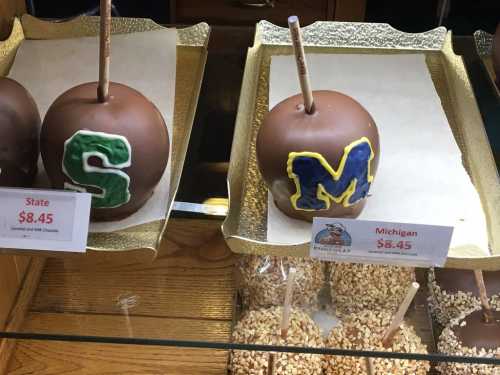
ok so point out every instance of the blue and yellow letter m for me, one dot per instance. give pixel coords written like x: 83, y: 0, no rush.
x: 317, y: 183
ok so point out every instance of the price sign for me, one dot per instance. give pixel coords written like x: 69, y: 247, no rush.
x: 44, y: 219
x: 363, y: 241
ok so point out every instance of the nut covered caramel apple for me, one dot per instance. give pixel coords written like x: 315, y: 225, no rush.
x: 19, y: 132
x: 320, y: 163
x: 264, y: 281
x: 356, y: 287
x: 117, y: 150
x: 262, y: 327
x: 364, y: 331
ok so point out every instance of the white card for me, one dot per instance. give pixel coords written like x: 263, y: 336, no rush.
x: 365, y: 241
x: 44, y: 220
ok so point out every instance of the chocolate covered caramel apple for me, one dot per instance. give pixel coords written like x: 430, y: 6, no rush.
x: 317, y: 151
x: 453, y: 293
x: 106, y: 139
x: 19, y: 132
x: 496, y: 55
x: 319, y: 164
x: 471, y: 336
x: 115, y: 150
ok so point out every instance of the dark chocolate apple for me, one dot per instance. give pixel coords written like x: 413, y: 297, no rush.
x: 476, y: 333
x: 496, y: 55
x: 471, y: 336
x: 319, y: 164
x: 19, y: 132
x: 455, y: 280
x: 117, y: 150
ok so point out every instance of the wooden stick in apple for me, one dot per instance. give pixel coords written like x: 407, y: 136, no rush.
x: 400, y: 314
x: 105, y: 38
x: 287, y: 304
x: 300, y: 58
x: 270, y: 364
x: 370, y: 367
x: 285, y: 316
x: 483, y: 296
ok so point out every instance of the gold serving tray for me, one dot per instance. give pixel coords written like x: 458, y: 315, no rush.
x: 484, y: 48
x: 142, y: 241
x: 245, y: 226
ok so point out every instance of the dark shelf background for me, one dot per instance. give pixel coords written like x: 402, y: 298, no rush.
x: 464, y: 16
x: 155, y: 9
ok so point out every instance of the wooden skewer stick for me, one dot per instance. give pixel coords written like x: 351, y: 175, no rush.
x: 370, y: 367
x: 270, y: 364
x: 285, y: 316
x: 287, y: 305
x: 400, y: 314
x: 300, y: 58
x: 103, y: 87
x: 487, y: 313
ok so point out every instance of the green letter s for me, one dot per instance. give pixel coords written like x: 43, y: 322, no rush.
x: 115, y: 153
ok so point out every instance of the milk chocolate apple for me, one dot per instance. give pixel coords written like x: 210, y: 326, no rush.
x: 474, y: 337
x: 115, y: 150
x: 317, y: 151
x: 19, y: 132
x: 106, y: 139
x: 454, y: 293
x: 319, y: 164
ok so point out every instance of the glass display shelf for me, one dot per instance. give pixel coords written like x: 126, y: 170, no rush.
x: 184, y: 299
